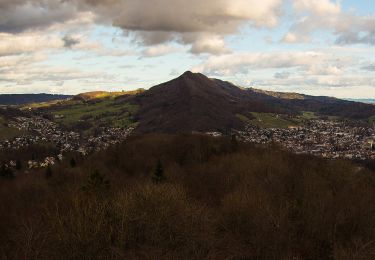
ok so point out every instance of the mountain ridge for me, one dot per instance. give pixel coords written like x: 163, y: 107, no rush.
x: 22, y: 99
x: 193, y: 102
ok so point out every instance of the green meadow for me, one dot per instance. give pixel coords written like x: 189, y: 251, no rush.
x: 105, y: 112
x: 270, y: 120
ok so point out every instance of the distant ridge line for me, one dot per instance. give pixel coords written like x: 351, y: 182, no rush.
x: 22, y: 99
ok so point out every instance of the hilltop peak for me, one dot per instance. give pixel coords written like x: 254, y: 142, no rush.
x: 192, y: 75
x: 188, y: 74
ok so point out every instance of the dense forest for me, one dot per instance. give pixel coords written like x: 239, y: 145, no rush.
x: 189, y: 197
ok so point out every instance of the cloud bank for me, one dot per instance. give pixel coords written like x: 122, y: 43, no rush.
x: 202, y: 24
x: 34, y: 32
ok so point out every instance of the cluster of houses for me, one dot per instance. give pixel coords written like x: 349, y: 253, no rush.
x: 49, y: 161
x: 329, y: 139
x: 38, y: 129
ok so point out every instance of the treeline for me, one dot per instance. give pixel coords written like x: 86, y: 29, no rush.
x: 333, y: 107
x: 190, y: 197
x: 9, y: 112
x: 36, y: 152
x: 20, y: 99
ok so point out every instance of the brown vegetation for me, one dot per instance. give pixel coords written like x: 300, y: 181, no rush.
x: 218, y: 199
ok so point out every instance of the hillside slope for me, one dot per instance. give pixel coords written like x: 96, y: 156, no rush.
x: 193, y: 102
x: 196, y: 103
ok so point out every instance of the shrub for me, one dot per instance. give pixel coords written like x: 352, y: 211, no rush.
x: 162, y: 219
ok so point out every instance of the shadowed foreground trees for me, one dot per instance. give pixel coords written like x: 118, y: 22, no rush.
x: 158, y: 173
x: 217, y: 202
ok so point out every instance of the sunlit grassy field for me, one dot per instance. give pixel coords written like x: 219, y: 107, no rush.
x: 105, y: 111
x: 270, y: 120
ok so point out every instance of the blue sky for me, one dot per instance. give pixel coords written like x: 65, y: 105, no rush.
x: 318, y: 47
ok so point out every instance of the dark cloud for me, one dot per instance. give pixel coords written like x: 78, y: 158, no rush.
x: 356, y: 38
x: 282, y: 75
x: 21, y: 15
x: 8, y: 3
x: 370, y: 67
x: 70, y: 42
x: 201, y: 24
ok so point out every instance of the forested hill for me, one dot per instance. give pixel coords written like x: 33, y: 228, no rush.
x: 20, y: 99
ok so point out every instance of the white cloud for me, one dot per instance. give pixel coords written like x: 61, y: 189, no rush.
x: 318, y: 7
x: 326, y: 15
x: 28, y: 74
x: 290, y: 38
x: 242, y: 63
x: 291, y: 71
x: 209, y: 44
x: 26, y: 43
x: 201, y: 24
x: 32, y: 29
x: 159, y: 50
x: 351, y: 29
x: 282, y: 75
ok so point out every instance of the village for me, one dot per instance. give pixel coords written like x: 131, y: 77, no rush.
x: 325, y: 138
x: 41, y: 130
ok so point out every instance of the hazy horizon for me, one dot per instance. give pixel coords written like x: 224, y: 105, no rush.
x: 120, y: 90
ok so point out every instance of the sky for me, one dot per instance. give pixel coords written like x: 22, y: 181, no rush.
x: 317, y: 47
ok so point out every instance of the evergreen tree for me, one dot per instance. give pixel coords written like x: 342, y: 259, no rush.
x: 48, y: 172
x: 158, y: 173
x: 96, y: 183
x: 6, y: 171
x: 234, y: 142
x: 73, y: 163
x: 3, y: 170
x: 18, y: 165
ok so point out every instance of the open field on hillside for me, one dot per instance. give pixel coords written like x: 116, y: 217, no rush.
x: 308, y: 115
x: 270, y: 120
x: 372, y: 120
x: 106, y: 112
x: 8, y: 132
x: 43, y: 104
